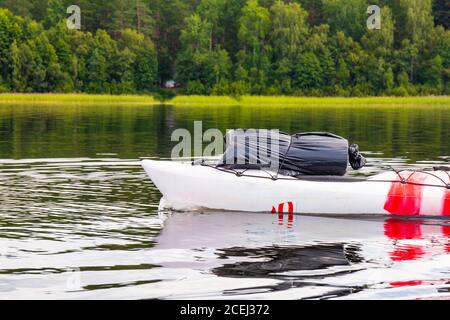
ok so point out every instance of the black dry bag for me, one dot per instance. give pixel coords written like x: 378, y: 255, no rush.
x: 313, y: 153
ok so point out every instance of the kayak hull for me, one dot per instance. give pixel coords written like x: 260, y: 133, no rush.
x: 192, y: 187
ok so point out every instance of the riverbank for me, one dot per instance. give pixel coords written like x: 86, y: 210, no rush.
x: 218, y: 100
x: 97, y: 99
x: 308, y: 101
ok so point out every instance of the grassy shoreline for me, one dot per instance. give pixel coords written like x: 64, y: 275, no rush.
x: 308, y: 101
x: 16, y: 98
x: 74, y: 98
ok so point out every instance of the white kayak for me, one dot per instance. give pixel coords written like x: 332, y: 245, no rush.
x: 188, y: 187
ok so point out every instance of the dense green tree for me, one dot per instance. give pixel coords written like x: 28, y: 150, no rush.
x: 143, y: 18
x: 46, y: 61
x: 388, y: 81
x: 210, y: 10
x: 431, y: 72
x: 208, y: 68
x: 419, y: 20
x: 59, y: 37
x: 319, y: 43
x: 308, y: 72
x: 348, y: 16
x: 195, y: 37
x: 25, y: 71
x: 18, y: 76
x: 254, y: 27
x: 146, y: 68
x: 253, y: 36
x: 136, y: 65
x: 56, y: 12
x: 169, y: 19
x: 123, y: 16
x: 381, y: 42
x: 97, y: 73
x: 18, y: 7
x: 441, y: 12
x: 38, y: 10
x: 122, y: 80
x: 81, y: 45
x: 316, y: 14
x: 230, y: 22
x: 406, y: 58
x: 11, y: 28
x: 342, y: 73
x: 289, y: 29
x: 220, y: 66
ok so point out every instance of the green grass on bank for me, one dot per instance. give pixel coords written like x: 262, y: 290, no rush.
x: 18, y: 98
x: 205, y: 100
x: 12, y: 98
x: 307, y: 101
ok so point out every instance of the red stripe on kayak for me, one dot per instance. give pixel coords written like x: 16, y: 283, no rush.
x: 290, y: 210
x: 405, y: 198
x: 446, y: 206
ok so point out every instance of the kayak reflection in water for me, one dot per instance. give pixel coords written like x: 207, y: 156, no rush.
x: 303, y: 250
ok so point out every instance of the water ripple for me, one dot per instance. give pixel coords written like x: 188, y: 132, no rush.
x: 90, y: 228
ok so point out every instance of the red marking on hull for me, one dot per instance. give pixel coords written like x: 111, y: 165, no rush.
x: 405, y: 198
x: 446, y: 205
x: 280, y: 210
x: 290, y: 207
x: 281, y: 207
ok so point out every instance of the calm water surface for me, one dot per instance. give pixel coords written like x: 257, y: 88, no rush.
x: 79, y: 218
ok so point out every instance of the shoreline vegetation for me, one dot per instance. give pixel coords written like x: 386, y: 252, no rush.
x: 86, y: 99
x: 73, y: 98
x: 301, y: 48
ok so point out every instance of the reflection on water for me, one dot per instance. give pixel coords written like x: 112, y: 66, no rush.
x: 89, y: 228
x: 318, y: 257
x: 79, y: 219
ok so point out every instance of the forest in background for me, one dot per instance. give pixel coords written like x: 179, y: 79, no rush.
x: 226, y: 47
